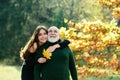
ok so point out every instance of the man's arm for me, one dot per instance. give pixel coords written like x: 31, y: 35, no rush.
x: 64, y: 43
x: 61, y: 44
x: 72, y: 66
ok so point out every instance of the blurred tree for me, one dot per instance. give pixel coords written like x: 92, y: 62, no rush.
x: 3, y: 19
x: 114, y: 6
x: 59, y: 19
x: 19, y: 18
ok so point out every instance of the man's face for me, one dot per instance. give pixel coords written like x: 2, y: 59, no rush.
x: 53, y: 34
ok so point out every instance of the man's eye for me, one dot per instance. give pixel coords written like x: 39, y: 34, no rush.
x: 52, y: 31
x: 55, y: 31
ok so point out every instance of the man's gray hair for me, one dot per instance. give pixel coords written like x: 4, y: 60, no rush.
x: 53, y: 27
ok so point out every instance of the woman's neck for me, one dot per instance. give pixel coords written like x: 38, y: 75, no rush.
x: 41, y: 44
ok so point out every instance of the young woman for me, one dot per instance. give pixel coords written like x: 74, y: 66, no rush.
x: 39, y: 38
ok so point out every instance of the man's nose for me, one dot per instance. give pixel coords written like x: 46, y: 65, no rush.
x: 52, y: 32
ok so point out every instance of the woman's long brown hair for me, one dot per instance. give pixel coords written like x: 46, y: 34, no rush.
x: 33, y: 38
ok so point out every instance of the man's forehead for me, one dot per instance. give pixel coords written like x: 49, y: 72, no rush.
x: 53, y: 28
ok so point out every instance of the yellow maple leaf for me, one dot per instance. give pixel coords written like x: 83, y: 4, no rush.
x: 47, y: 54
x: 65, y: 20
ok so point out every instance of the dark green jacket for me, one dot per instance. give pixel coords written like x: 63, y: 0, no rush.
x: 59, y: 67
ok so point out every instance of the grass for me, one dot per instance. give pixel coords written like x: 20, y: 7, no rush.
x: 9, y: 72
x: 102, y: 78
x: 13, y: 73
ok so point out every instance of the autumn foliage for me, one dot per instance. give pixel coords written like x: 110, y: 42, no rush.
x: 112, y: 4
x: 90, y: 36
x: 99, y: 44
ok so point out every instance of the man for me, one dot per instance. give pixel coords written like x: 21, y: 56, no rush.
x: 61, y: 64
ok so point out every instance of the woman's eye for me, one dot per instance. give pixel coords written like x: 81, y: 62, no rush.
x: 39, y: 34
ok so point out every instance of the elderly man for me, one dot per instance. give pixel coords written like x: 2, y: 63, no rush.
x: 61, y: 64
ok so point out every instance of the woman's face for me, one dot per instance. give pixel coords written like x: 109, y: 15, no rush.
x: 42, y: 36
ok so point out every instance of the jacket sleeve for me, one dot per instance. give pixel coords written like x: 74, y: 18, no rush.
x: 38, y: 55
x: 64, y: 43
x: 37, y: 66
x: 72, y: 66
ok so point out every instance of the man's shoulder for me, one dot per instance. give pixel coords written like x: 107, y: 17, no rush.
x: 67, y: 48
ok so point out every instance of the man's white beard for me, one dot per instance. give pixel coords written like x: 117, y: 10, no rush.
x: 52, y: 39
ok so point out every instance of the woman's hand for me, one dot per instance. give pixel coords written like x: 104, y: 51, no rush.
x: 42, y: 60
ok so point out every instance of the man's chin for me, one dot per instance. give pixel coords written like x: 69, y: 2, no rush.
x: 53, y: 40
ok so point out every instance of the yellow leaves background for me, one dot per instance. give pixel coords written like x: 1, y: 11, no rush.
x: 89, y: 36
x: 98, y: 44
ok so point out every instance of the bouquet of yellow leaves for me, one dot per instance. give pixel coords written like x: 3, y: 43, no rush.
x: 47, y: 54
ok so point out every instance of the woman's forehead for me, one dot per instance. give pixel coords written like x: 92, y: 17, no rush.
x: 42, y: 31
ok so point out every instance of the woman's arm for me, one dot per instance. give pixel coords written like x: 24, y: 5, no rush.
x: 61, y: 44
x: 33, y: 48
